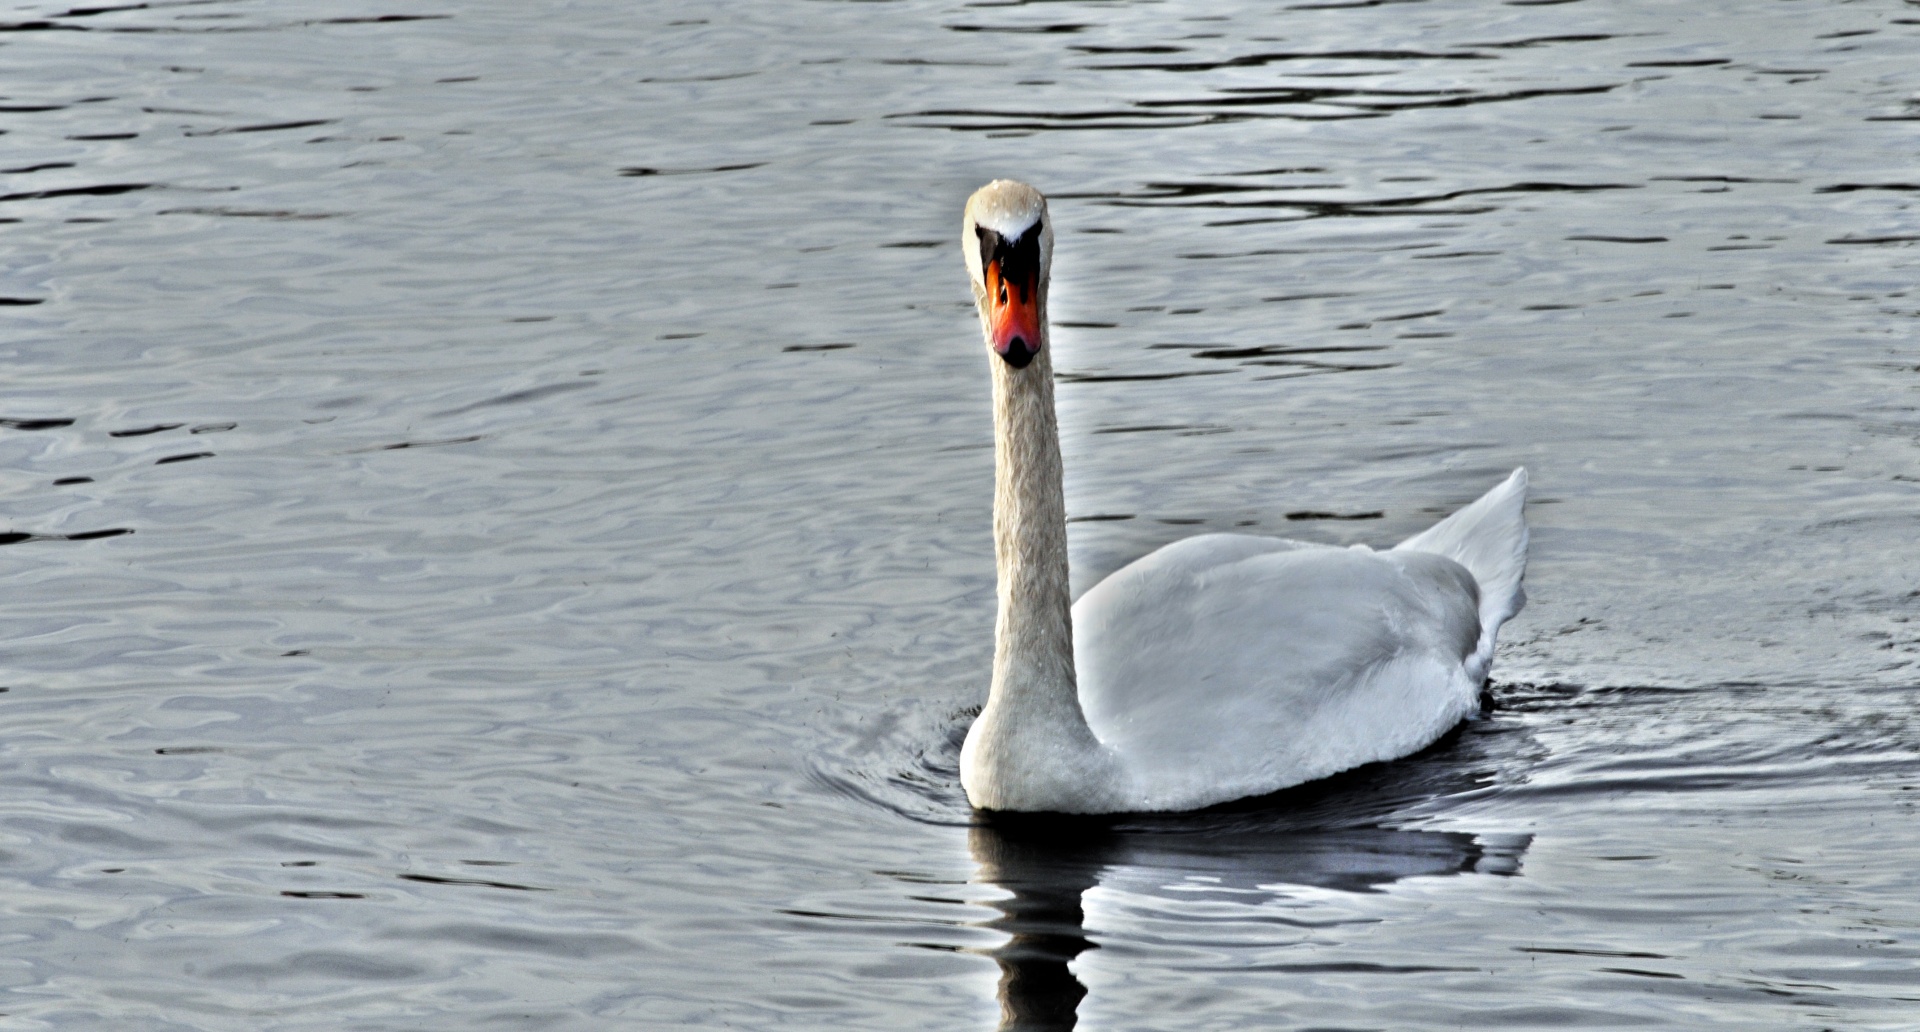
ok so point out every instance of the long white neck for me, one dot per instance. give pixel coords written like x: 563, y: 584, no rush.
x: 1033, y: 637
x: 1031, y: 748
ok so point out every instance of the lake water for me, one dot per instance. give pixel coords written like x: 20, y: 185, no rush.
x: 497, y: 506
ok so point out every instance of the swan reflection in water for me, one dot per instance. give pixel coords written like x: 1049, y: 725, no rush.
x: 1326, y: 835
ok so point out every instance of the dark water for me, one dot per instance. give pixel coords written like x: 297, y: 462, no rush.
x: 496, y: 516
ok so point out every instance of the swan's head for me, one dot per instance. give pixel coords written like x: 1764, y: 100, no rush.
x: 1008, y: 244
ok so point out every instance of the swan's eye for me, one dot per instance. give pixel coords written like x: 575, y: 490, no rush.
x: 989, y: 245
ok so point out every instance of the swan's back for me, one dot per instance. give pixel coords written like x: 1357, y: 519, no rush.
x: 1227, y: 665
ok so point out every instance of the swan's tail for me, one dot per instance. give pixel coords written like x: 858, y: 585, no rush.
x: 1489, y: 538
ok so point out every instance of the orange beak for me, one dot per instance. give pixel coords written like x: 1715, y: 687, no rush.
x: 1013, y: 315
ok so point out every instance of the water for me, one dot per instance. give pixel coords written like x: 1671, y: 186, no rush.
x: 496, y: 504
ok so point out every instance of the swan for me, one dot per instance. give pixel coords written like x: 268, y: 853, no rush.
x: 1218, y: 667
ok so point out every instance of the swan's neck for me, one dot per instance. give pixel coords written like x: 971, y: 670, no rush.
x: 1031, y: 748
x: 1033, y: 638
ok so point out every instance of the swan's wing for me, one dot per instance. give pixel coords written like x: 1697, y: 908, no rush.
x: 1228, y: 665
x: 1489, y: 538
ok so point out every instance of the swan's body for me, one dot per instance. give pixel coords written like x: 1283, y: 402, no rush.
x: 1219, y: 667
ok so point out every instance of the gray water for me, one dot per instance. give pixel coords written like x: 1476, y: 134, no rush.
x: 497, y: 494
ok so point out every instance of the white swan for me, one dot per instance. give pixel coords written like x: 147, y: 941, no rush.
x: 1221, y: 666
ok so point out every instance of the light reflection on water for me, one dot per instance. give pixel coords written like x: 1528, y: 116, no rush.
x: 497, y: 502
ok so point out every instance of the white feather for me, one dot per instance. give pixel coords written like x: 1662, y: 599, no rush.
x: 1228, y: 665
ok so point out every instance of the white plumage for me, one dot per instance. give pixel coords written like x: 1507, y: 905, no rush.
x: 1228, y: 665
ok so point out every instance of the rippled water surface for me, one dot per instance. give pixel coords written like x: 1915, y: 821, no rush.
x: 497, y: 494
